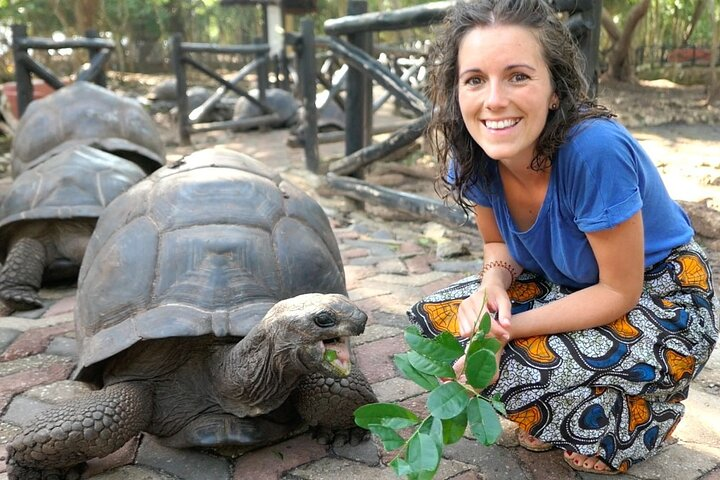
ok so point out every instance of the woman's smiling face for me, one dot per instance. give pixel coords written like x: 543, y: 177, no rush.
x: 504, y: 90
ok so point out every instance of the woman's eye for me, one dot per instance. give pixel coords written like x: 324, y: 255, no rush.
x: 519, y: 77
x: 473, y: 81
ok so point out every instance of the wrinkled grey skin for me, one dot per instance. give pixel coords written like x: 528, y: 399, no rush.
x: 215, y: 331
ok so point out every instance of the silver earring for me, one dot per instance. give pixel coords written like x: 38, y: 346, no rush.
x: 554, y: 106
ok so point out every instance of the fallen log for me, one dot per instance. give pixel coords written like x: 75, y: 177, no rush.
x: 418, y: 206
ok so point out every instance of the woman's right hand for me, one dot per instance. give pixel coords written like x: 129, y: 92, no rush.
x: 492, y: 299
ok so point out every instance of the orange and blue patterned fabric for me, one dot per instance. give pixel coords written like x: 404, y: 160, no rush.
x: 614, y: 391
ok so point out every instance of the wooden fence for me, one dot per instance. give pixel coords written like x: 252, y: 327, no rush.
x: 99, y: 51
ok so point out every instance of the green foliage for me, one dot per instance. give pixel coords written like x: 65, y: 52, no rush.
x: 454, y: 406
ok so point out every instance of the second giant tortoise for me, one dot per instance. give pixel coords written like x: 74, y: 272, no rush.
x: 282, y: 103
x: 212, y: 310
x: 48, y: 215
x: 83, y: 113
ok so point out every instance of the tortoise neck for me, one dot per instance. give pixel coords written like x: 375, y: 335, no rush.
x: 256, y: 377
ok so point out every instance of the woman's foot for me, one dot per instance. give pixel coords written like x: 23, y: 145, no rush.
x: 584, y: 463
x: 531, y: 443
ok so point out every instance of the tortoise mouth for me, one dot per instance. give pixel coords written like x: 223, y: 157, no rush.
x: 336, y: 355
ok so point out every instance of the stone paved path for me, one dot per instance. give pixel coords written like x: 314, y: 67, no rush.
x: 388, y: 265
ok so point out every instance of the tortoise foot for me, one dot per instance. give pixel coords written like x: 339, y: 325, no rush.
x: 21, y: 298
x: 16, y: 472
x: 338, y: 438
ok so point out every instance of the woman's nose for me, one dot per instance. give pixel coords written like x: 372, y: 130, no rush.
x: 496, y: 95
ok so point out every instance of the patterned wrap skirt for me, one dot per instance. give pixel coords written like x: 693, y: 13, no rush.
x: 612, y: 391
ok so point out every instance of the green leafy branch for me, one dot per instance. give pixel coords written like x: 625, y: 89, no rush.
x: 453, y: 404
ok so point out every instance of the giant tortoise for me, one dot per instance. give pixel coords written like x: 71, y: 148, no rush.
x: 282, y: 103
x: 83, y: 113
x: 211, y: 310
x: 48, y: 216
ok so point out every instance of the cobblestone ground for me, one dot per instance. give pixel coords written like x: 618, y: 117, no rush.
x: 389, y: 264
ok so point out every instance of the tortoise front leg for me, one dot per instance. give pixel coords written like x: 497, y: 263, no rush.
x: 329, y: 403
x: 60, y: 440
x: 21, y: 276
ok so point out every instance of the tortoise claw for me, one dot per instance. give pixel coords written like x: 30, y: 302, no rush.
x: 337, y: 438
x: 21, y: 298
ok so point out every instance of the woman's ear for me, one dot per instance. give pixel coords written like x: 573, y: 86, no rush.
x: 554, y: 101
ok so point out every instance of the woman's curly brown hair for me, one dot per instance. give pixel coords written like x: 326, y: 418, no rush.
x: 447, y: 135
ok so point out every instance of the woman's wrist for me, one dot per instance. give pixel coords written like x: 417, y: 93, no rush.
x: 504, y: 269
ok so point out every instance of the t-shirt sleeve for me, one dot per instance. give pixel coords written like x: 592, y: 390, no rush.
x: 473, y: 192
x: 604, y: 185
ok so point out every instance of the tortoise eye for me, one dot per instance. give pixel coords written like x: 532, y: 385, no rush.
x: 324, y: 320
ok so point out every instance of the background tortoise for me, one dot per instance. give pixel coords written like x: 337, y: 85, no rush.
x: 48, y: 215
x: 83, y: 113
x: 282, y: 102
x: 212, y: 310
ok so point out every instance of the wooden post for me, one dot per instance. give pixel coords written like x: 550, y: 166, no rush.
x: 178, y: 66
x: 307, y: 78
x: 100, y: 78
x: 23, y: 80
x: 358, y: 104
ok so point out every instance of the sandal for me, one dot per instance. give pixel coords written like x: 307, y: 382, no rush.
x: 528, y: 442
x: 582, y: 468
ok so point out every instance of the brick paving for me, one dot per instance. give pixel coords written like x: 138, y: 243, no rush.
x: 387, y: 269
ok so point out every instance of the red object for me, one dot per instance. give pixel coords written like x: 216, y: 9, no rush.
x: 9, y: 90
x: 687, y: 54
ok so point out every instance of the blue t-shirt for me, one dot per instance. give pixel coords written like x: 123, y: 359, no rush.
x: 600, y: 177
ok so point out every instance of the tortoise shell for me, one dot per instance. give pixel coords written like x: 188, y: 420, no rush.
x: 76, y: 183
x: 83, y: 113
x: 281, y: 101
x: 203, y: 246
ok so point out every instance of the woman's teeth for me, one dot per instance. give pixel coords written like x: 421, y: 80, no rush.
x: 497, y: 125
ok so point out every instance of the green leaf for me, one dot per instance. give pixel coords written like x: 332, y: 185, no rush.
x: 448, y: 400
x: 498, y: 405
x: 390, y: 438
x: 431, y: 367
x: 401, y: 467
x: 481, y: 343
x: 442, y: 349
x: 484, y: 422
x: 330, y: 355
x: 454, y: 428
x: 433, y: 427
x: 428, y: 382
x: 422, y: 453
x: 386, y: 414
x: 480, y: 368
x: 485, y: 323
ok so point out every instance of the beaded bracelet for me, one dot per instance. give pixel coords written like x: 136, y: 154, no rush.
x: 501, y: 264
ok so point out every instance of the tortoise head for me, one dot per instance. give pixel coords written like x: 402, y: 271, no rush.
x: 314, y: 330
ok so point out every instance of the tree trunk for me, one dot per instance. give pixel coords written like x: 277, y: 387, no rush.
x: 60, y: 14
x: 697, y: 14
x: 86, y: 15
x: 610, y: 28
x: 713, y: 87
x: 621, y: 63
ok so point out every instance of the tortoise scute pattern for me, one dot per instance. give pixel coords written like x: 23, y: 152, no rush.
x: 238, y: 257
x: 48, y: 216
x: 83, y: 113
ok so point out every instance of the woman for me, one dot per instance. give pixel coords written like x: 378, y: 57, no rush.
x: 603, y: 302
